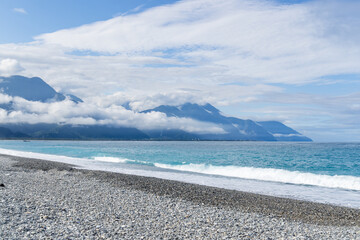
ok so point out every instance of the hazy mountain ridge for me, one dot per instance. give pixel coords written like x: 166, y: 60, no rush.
x: 32, y: 89
x: 237, y: 129
x: 36, y: 90
x: 282, y: 132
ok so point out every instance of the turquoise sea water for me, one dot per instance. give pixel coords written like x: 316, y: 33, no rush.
x: 325, y: 172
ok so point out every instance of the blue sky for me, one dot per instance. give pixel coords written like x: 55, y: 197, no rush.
x: 43, y: 16
x: 292, y: 61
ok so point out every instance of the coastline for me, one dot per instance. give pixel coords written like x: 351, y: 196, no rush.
x: 219, y: 205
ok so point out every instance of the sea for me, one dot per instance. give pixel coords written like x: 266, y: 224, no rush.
x: 317, y: 172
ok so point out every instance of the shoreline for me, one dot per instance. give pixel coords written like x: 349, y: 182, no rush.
x: 259, y: 207
x: 290, y: 208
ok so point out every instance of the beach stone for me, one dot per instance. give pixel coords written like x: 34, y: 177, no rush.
x: 71, y: 204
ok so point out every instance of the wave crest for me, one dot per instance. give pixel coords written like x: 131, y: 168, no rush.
x: 112, y: 159
x: 271, y: 174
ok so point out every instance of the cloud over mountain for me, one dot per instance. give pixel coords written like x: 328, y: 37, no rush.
x: 46, y: 113
x: 10, y: 66
x: 66, y: 111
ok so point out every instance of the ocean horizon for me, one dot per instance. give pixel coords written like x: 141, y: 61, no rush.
x: 317, y: 172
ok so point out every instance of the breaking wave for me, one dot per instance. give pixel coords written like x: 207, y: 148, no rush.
x: 271, y: 174
x: 262, y: 174
x: 112, y: 159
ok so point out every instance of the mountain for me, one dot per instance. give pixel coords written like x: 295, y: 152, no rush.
x: 282, y: 132
x: 93, y: 132
x: 237, y: 129
x: 70, y: 132
x: 6, y: 133
x: 170, y: 135
x: 35, y: 89
x: 31, y: 89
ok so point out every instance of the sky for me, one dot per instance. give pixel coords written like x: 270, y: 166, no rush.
x: 297, y: 62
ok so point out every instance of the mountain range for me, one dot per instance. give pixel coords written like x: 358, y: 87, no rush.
x: 36, y: 90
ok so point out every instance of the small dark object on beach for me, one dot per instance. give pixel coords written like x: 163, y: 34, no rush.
x: 2, y: 185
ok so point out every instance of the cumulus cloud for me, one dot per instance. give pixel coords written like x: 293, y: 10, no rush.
x: 4, y: 99
x: 10, y: 66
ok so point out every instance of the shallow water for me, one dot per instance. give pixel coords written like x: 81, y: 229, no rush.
x: 321, y: 172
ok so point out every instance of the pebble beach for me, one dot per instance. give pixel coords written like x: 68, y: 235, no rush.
x: 49, y: 200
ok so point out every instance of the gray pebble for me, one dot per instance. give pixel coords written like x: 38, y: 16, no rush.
x: 63, y: 203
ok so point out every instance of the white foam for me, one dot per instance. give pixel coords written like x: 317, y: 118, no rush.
x: 119, y: 160
x: 270, y: 174
x: 112, y: 159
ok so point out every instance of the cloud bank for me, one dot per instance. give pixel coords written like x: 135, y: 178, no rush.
x: 68, y: 112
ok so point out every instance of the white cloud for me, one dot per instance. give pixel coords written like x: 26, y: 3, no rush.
x: 20, y: 10
x: 10, y: 66
x: 4, y: 99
